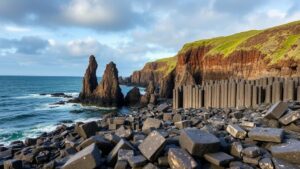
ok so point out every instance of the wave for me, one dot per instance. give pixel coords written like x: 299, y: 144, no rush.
x: 17, y: 117
x: 34, y: 96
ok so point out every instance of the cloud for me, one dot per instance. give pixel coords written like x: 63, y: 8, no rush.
x: 100, y: 15
x: 26, y: 45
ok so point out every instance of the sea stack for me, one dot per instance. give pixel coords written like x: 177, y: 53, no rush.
x: 89, y: 83
x: 105, y: 94
x: 108, y: 93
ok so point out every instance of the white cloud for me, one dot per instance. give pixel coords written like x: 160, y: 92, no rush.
x: 16, y: 29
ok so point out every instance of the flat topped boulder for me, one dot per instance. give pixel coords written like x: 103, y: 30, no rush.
x: 277, y: 110
x: 198, y: 142
x: 152, y: 145
x: 236, y: 131
x: 289, y: 151
x: 87, y: 130
x: 88, y: 158
x: 219, y: 158
x: 179, y: 159
x: 151, y: 123
x: 266, y: 134
x: 290, y: 117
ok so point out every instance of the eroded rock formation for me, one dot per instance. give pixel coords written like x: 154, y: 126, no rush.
x: 107, y: 93
x: 133, y: 97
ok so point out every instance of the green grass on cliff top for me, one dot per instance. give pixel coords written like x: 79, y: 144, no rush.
x: 171, y: 64
x: 224, y: 44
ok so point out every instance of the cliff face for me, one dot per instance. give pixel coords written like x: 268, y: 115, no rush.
x: 252, y: 54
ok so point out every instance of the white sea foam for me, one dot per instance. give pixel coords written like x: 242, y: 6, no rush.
x: 33, y: 96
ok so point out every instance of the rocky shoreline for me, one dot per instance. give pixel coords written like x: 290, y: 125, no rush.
x: 155, y: 136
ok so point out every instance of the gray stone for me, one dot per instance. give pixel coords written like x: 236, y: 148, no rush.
x: 266, y: 134
x: 123, y: 144
x: 30, y: 141
x: 123, y: 132
x: 137, y: 161
x: 88, y: 129
x: 219, y: 158
x: 198, y: 142
x: 236, y: 149
x: 168, y: 116
x: 163, y: 161
x: 266, y: 163
x: 150, y: 166
x: 162, y: 107
x: 13, y: 164
x: 179, y: 159
x: 177, y: 117
x: 88, y: 158
x: 124, y: 154
x: 100, y: 142
x: 290, y: 117
x: 152, y: 145
x: 121, y: 164
x: 289, y: 151
x: 251, y: 152
x: 282, y: 164
x: 151, y: 123
x: 236, y: 131
x: 251, y: 160
x: 277, y: 110
x: 183, y: 124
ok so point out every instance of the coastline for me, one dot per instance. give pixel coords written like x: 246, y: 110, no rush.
x: 156, y: 136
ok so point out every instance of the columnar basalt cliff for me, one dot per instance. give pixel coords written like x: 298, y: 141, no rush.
x: 248, y: 55
x: 107, y: 93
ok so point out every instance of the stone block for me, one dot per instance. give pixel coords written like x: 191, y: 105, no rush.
x: 137, y: 161
x: 88, y: 158
x: 219, y: 158
x: 124, y: 132
x: 150, y: 166
x: 198, y: 142
x: 290, y: 117
x: 151, y: 123
x: 251, y: 152
x: 168, y: 116
x: 122, y: 164
x: 236, y: 149
x: 266, y: 163
x: 152, y: 145
x: 282, y: 164
x: 289, y: 151
x: 277, y: 110
x: 124, y: 154
x: 162, y: 107
x: 103, y: 144
x: 179, y: 159
x: 266, y: 134
x: 183, y: 124
x: 236, y: 131
x: 123, y: 144
x: 87, y: 130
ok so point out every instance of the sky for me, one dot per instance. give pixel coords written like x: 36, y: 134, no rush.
x: 55, y: 38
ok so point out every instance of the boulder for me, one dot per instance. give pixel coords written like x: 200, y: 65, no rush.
x: 198, y: 142
x: 104, y: 145
x: 251, y: 152
x: 151, y: 123
x: 133, y: 97
x: 108, y: 93
x: 277, y: 110
x: 266, y: 134
x: 123, y: 144
x: 88, y: 158
x: 13, y: 164
x: 290, y: 117
x: 289, y: 151
x: 236, y: 131
x: 152, y: 145
x: 137, y: 161
x: 179, y: 159
x: 219, y: 158
x: 89, y: 83
x: 87, y: 130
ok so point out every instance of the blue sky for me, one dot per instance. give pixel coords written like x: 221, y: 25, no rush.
x: 56, y: 37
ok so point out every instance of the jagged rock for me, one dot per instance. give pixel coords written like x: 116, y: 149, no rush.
x: 219, y: 158
x: 108, y: 92
x: 88, y: 158
x: 133, y: 97
x: 90, y: 79
x: 88, y: 129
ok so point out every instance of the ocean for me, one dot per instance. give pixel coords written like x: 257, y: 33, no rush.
x: 27, y: 109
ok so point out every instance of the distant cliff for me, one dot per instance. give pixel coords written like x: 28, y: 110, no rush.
x: 252, y: 54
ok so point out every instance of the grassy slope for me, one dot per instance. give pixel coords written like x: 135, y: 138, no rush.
x: 280, y: 42
x: 277, y: 43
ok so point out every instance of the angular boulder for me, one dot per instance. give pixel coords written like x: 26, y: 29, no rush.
x: 87, y: 130
x: 266, y: 134
x: 289, y: 151
x: 277, y: 110
x: 151, y: 123
x: 219, y: 158
x: 179, y: 159
x: 88, y: 158
x: 198, y: 142
x: 236, y: 131
x: 152, y: 145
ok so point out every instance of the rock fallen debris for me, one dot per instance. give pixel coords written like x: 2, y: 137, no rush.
x: 152, y: 137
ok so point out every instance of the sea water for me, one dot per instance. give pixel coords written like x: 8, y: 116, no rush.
x: 27, y: 108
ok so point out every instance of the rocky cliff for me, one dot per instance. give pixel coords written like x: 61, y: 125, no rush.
x: 107, y: 93
x: 252, y: 54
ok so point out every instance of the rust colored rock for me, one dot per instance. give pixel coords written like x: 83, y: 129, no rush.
x: 133, y: 96
x: 89, y: 83
x: 108, y: 93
